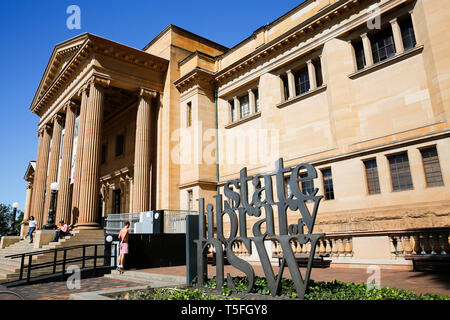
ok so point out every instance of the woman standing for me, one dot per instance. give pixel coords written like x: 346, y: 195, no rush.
x: 31, y: 227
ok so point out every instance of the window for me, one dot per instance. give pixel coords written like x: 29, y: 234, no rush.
x: 190, y: 200
x: 120, y: 144
x: 189, y: 114
x: 233, y: 111
x: 245, y: 106
x: 408, y: 36
x: 318, y: 71
x: 400, y: 173
x: 301, y: 81
x: 288, y: 187
x: 256, y: 92
x: 328, y: 184
x: 373, y: 183
x: 117, y: 199
x: 383, y: 45
x: 307, y: 186
x: 432, y: 167
x: 359, y: 55
x: 103, y: 153
x: 284, y: 79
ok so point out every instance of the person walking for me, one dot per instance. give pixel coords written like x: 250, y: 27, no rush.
x: 123, y: 235
x: 31, y: 227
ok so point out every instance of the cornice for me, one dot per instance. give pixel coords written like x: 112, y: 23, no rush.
x: 92, y: 46
x: 301, y: 32
x: 197, y: 76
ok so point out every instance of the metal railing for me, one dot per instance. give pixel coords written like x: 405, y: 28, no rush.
x: 108, y: 256
x: 174, y: 221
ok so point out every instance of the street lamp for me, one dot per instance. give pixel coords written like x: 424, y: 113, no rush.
x: 12, y: 230
x: 51, y: 213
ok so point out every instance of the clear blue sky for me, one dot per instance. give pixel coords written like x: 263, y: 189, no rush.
x: 31, y: 28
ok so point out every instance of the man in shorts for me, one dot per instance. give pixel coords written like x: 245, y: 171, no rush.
x: 123, y: 235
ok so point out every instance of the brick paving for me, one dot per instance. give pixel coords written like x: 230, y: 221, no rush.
x: 418, y: 282
x: 59, y: 290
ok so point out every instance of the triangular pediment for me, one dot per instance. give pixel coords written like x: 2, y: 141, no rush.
x: 61, y: 56
x: 29, y: 174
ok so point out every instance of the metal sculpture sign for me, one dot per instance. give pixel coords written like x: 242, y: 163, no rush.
x: 262, y: 204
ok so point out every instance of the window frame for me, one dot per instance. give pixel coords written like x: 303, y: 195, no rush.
x: 421, y: 150
x: 325, y: 192
x: 368, y: 184
x: 391, y: 172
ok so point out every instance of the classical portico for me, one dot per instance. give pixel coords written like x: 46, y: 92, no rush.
x: 88, y: 86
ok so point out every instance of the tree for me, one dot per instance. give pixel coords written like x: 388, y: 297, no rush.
x: 6, y: 215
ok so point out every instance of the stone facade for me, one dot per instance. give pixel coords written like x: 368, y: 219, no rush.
x: 358, y: 88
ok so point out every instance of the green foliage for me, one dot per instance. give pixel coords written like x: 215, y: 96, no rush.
x: 317, y: 290
x: 170, y: 294
x: 333, y: 290
x: 6, y: 214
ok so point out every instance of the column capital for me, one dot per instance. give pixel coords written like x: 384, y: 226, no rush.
x: 70, y: 105
x: 99, y: 80
x: 392, y: 21
x: 146, y: 92
x: 57, y: 118
x: 46, y: 127
x: 289, y: 71
x: 309, y: 61
x: 364, y: 35
x: 30, y: 185
x: 84, y: 89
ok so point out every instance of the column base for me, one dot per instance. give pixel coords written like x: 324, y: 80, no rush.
x: 8, y: 240
x: 43, y: 237
x: 87, y: 226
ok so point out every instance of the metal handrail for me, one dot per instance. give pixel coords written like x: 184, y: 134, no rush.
x: 62, y: 261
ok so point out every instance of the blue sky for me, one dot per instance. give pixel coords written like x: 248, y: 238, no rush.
x: 31, y: 28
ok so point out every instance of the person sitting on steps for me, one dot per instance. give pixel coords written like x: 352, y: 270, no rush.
x: 62, y: 231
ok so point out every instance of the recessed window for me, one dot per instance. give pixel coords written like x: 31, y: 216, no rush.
x: 400, y: 172
x: 120, y: 144
x: 318, y: 71
x: 288, y: 190
x: 408, y: 36
x: 373, y: 182
x: 256, y: 93
x: 432, y: 167
x: 307, y: 185
x: 190, y: 200
x: 245, y: 106
x: 302, y: 81
x: 383, y: 45
x: 359, y: 55
x: 189, y: 114
x: 285, y: 87
x: 233, y: 111
x: 328, y: 184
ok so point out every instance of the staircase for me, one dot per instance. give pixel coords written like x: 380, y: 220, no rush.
x: 10, y: 268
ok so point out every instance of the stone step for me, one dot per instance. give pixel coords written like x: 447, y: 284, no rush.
x: 153, y: 279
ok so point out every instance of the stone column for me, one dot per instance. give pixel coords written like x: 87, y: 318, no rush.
x: 90, y: 173
x: 83, y: 93
x: 251, y: 101
x: 291, y: 84
x: 367, y: 49
x: 311, y: 75
x: 26, y: 214
x: 142, y: 153
x: 63, y: 207
x: 53, y: 162
x: 40, y: 176
x: 397, y: 36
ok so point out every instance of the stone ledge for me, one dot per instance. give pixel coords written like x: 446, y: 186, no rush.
x: 302, y: 96
x: 397, y: 58
x: 243, y: 120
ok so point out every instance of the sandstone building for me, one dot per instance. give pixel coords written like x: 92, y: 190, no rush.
x: 358, y: 88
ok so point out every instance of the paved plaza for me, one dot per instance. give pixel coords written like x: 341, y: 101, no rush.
x: 418, y: 282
